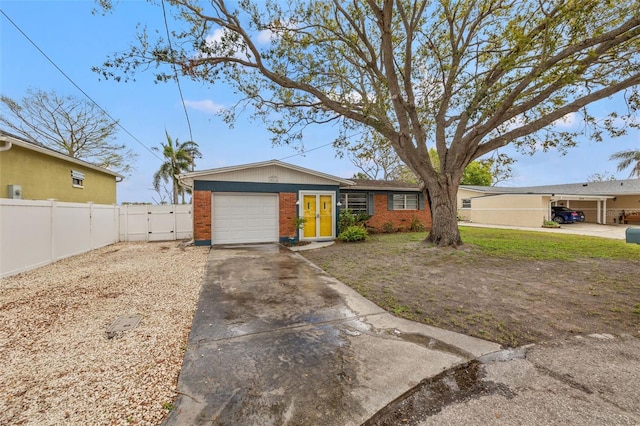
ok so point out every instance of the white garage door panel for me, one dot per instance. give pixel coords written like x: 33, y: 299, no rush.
x: 245, y: 218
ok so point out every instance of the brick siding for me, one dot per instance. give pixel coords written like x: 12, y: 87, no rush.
x: 288, y: 212
x: 202, y: 215
x: 399, y: 218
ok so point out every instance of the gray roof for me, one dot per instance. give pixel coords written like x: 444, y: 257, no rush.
x: 383, y: 185
x: 611, y: 187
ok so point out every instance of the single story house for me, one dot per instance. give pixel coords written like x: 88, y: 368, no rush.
x: 607, y: 202
x: 35, y: 172
x: 259, y: 202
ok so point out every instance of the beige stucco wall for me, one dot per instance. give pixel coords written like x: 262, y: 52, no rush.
x: 513, y: 210
x: 465, y: 214
x: 44, y: 177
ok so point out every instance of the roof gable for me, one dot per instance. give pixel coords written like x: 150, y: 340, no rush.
x: 273, y: 171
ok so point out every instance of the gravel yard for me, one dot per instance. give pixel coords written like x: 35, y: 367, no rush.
x: 58, y: 365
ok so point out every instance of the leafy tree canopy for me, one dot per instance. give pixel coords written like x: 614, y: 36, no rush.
x: 465, y: 77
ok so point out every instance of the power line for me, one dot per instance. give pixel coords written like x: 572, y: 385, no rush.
x: 305, y: 151
x: 175, y: 72
x: 76, y: 86
x: 321, y: 146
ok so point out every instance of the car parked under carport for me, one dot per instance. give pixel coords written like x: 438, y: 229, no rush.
x: 561, y: 214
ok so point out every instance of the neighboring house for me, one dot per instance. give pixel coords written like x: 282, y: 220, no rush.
x: 391, y: 204
x: 34, y: 172
x: 606, y: 202
x: 260, y: 202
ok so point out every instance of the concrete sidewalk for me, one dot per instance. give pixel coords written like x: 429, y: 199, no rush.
x: 589, y: 380
x: 275, y: 340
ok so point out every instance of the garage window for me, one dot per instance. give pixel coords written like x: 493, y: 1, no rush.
x: 466, y: 203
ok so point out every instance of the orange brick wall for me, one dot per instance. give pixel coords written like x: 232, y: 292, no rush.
x: 288, y: 213
x: 202, y: 216
x: 398, y: 217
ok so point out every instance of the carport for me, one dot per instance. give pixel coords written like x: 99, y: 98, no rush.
x: 602, y: 202
x: 565, y: 200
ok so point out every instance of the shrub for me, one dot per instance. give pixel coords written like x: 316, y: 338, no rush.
x: 353, y: 233
x: 388, y: 228
x: 348, y: 218
x: 416, y: 225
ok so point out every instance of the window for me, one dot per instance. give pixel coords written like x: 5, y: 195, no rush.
x: 77, y: 179
x: 405, y: 202
x: 357, y: 202
x: 466, y: 203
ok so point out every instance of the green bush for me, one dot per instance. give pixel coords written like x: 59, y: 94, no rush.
x: 416, y: 225
x: 348, y: 218
x: 388, y: 228
x: 353, y: 233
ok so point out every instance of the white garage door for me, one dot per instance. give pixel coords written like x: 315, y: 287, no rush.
x: 244, y: 218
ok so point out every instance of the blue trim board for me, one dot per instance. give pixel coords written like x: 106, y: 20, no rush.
x: 202, y: 242
x: 222, y: 186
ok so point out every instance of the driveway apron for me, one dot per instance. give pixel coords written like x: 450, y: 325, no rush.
x: 275, y: 341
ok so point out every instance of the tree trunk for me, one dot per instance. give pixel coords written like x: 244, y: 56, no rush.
x: 175, y: 191
x: 444, y: 212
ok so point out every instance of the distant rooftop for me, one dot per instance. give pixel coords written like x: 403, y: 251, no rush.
x: 611, y: 187
x: 383, y: 185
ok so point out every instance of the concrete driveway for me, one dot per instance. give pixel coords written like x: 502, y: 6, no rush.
x: 275, y: 341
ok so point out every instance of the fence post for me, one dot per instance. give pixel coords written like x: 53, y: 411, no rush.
x: 116, y: 222
x: 52, y: 233
x: 175, y: 221
x: 91, y: 227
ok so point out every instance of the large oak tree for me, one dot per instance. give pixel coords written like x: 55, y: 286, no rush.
x: 466, y: 77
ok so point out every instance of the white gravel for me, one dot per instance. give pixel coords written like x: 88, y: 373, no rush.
x: 57, y: 366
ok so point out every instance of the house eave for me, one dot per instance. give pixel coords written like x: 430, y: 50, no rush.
x: 14, y: 140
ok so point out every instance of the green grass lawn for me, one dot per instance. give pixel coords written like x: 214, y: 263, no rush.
x: 545, y: 245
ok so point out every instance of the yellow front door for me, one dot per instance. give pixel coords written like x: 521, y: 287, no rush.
x: 310, y: 216
x: 317, y: 209
x: 326, y: 216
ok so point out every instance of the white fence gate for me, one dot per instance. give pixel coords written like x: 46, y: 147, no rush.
x: 36, y: 233
x: 155, y: 223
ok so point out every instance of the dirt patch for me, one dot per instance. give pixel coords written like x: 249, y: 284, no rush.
x: 433, y: 394
x: 59, y: 364
x: 512, y: 302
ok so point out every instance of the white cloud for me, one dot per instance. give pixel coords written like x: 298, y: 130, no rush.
x: 265, y: 37
x: 206, y: 105
x: 567, y: 121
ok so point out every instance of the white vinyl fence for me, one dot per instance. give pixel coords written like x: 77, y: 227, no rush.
x: 36, y: 233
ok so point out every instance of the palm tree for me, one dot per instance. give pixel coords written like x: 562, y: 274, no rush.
x: 630, y: 157
x: 180, y: 157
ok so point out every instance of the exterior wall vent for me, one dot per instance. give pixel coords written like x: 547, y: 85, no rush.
x: 14, y: 191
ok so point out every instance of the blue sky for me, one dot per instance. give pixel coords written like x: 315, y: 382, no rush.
x: 76, y: 40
